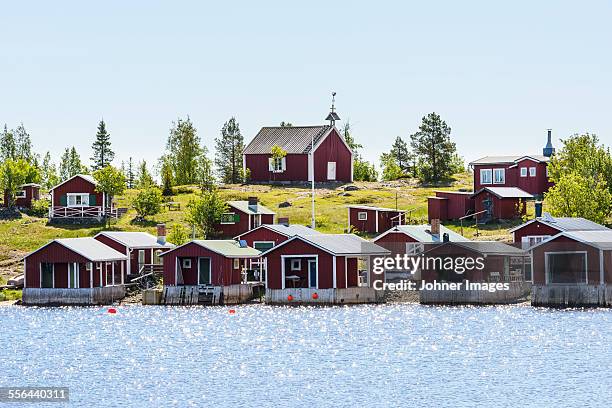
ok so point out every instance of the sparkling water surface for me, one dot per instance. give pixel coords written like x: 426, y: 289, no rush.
x: 377, y: 356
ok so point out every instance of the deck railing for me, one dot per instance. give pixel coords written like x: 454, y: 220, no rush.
x: 83, y: 212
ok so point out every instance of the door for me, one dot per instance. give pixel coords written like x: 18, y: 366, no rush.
x: 312, y: 274
x: 46, y: 277
x: 141, y: 259
x: 204, y: 271
x: 331, y: 170
x: 73, y: 275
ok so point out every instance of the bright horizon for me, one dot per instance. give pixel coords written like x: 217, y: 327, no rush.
x: 499, y: 78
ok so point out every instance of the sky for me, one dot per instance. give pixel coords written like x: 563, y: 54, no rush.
x: 498, y: 74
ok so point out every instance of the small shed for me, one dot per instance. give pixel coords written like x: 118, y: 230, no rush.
x: 373, y: 220
x: 27, y: 193
x: 77, y: 198
x: 243, y: 216
x: 501, y: 202
x: 449, y: 205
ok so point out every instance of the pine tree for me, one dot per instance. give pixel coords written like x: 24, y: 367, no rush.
x: 130, y: 174
x: 102, y: 153
x: 48, y: 172
x: 144, y: 176
x: 228, y: 157
x: 433, y: 149
x: 70, y: 164
x: 204, y: 176
x: 166, y: 176
x: 349, y: 139
x: 23, y: 144
x: 403, y: 157
x: 8, y: 148
x: 183, y: 150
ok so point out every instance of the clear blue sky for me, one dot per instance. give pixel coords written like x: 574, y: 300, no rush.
x: 499, y: 74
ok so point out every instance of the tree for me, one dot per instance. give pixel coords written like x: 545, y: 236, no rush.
x: 49, y: 177
x: 349, y: 139
x: 130, y: 174
x: 23, y: 144
x: 111, y: 182
x: 205, y: 212
x: 391, y: 170
x: 183, y: 150
x: 362, y: 170
x: 582, y: 175
x: 70, y: 164
x: 147, y: 201
x: 403, y: 157
x: 144, y: 176
x: 8, y: 147
x: 433, y: 149
x: 178, y: 235
x: 102, y: 153
x: 166, y: 177
x: 13, y: 173
x: 204, y: 174
x: 228, y: 157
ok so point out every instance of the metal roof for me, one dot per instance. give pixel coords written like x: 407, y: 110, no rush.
x: 135, y: 239
x: 505, y: 192
x: 369, y: 207
x: 344, y: 244
x: 228, y: 247
x: 91, y: 249
x: 601, y: 239
x: 292, y: 139
x: 491, y: 248
x: 291, y: 230
x: 422, y: 233
x: 509, y: 159
x: 245, y: 208
x: 565, y: 224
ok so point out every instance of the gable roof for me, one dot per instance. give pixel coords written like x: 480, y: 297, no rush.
x: 564, y: 224
x: 286, y: 230
x: 490, y: 248
x: 369, y: 207
x: 228, y: 248
x: 337, y: 244
x: 245, y: 208
x: 89, y: 248
x: 85, y: 177
x: 505, y: 192
x: 601, y: 239
x: 135, y: 239
x: 292, y: 139
x: 509, y: 159
x: 422, y: 233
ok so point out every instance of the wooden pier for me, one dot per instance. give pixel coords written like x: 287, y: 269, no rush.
x: 577, y: 295
x: 300, y: 296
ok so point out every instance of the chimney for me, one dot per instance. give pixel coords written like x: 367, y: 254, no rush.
x: 253, y: 204
x: 435, y: 226
x: 284, y: 221
x: 549, y: 150
x: 538, y: 209
x: 161, y: 234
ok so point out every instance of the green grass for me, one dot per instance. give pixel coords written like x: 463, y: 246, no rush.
x: 29, y: 233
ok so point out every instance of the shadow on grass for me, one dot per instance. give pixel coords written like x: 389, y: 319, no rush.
x: 142, y: 222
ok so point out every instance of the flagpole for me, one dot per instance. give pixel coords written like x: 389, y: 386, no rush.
x: 312, y: 223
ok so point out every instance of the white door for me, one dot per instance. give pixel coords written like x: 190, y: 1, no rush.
x: 331, y: 170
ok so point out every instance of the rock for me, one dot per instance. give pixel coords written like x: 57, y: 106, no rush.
x: 351, y: 187
x: 284, y: 204
x: 345, y: 194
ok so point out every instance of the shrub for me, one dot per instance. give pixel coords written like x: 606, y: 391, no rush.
x: 147, y: 202
x: 39, y: 208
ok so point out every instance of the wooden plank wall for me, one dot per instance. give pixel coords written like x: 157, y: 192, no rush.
x: 517, y: 292
x: 79, y: 297
x: 571, y: 295
x: 324, y: 296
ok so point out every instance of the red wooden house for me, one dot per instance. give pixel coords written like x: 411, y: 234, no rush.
x: 74, y: 271
x: 450, y: 205
x: 267, y: 236
x: 321, y: 268
x: 207, y: 263
x: 573, y: 268
x: 24, y: 197
x: 243, y: 216
x: 370, y: 219
x: 542, y: 228
x: 501, y: 202
x: 142, y: 249
x: 413, y: 238
x: 77, y: 198
x: 526, y: 172
x: 330, y: 159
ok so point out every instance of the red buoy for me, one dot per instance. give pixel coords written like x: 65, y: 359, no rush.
x: 232, y: 311
x: 315, y: 296
x: 112, y: 310
x: 290, y: 298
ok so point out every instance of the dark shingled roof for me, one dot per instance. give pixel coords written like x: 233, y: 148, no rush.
x: 292, y: 139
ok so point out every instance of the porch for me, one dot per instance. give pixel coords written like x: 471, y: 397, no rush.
x: 97, y: 212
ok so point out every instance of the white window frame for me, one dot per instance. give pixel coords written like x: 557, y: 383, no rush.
x: 524, y: 171
x: 186, y: 263
x: 498, y: 171
x: 414, y: 248
x: 296, y: 265
x: 233, y: 214
x: 277, y: 164
x: 362, y: 215
x: 75, y: 267
x: 236, y: 263
x: 547, y: 276
x: 20, y: 194
x: 157, y: 259
x: 532, y: 172
x: 530, y: 240
x: 84, y: 199
x: 486, y: 171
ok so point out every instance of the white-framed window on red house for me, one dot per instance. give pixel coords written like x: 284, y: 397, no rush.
x: 532, y: 172
x: 362, y: 215
x: 523, y: 171
x: 486, y: 176
x: 20, y: 194
x: 228, y: 218
x: 78, y: 199
x: 499, y: 176
x: 277, y: 164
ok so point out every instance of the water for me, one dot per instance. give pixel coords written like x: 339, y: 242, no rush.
x: 378, y: 356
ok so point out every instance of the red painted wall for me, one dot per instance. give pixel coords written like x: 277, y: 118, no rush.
x: 503, y: 208
x: 437, y: 208
x: 333, y: 150
x: 296, y: 168
x: 385, y: 221
x: 32, y: 193
x: 352, y: 272
x: 76, y: 185
x: 534, y: 185
x: 535, y: 228
x: 263, y: 234
x: 222, y: 271
x: 132, y: 254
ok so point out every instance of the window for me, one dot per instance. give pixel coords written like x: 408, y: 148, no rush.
x: 296, y: 264
x: 187, y: 263
x: 228, y: 218
x: 20, y: 194
x: 523, y: 171
x: 78, y: 199
x: 277, y: 165
x: 157, y: 259
x: 546, y: 171
x: 532, y: 172
x: 414, y: 248
x: 263, y: 245
x: 499, y: 176
x: 531, y: 240
x: 566, y: 267
x: 141, y: 256
x: 73, y: 275
x: 362, y: 215
x: 485, y: 176
x: 236, y: 263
